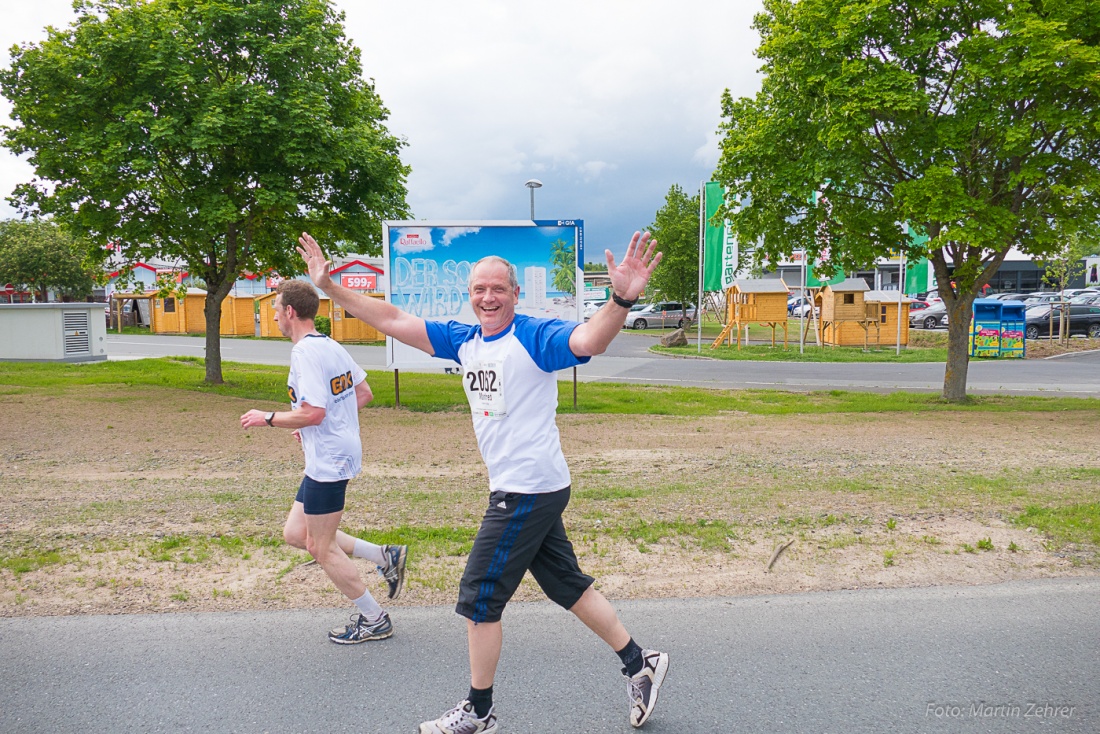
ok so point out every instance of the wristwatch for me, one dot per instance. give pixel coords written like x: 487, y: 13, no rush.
x: 270, y: 417
x: 622, y: 301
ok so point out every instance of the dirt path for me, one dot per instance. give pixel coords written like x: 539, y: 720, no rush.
x: 132, y: 500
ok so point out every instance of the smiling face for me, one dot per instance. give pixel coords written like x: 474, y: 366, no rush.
x: 492, y: 296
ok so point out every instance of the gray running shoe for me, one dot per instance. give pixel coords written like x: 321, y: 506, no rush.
x: 393, y: 570
x: 643, y: 687
x: 361, y: 631
x: 461, y: 720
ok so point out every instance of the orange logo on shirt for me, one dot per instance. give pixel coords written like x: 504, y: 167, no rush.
x: 290, y: 392
x: 341, y: 383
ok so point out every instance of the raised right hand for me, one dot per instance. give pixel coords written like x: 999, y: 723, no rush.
x: 315, y: 259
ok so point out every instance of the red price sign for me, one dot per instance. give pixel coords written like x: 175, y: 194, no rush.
x: 359, y: 281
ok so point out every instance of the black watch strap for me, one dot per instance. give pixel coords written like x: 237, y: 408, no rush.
x: 622, y: 301
x: 269, y: 418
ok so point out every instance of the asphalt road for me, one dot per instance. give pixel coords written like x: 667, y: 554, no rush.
x: 1015, y: 657
x: 628, y: 360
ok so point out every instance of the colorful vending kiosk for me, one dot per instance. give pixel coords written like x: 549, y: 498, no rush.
x: 997, y: 329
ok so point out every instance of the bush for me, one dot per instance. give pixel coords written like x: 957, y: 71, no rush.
x: 323, y: 324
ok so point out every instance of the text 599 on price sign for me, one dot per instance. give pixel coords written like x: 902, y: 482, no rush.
x: 359, y: 281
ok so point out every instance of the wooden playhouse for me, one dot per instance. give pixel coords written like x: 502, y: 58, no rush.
x: 852, y: 315
x: 754, y: 301
x: 886, y: 308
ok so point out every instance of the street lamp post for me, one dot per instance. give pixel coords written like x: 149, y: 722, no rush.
x: 533, y: 184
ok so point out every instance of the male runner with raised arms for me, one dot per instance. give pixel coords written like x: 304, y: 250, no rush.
x: 327, y: 390
x: 508, y: 362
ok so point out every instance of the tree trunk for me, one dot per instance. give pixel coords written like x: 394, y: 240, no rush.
x: 958, y: 350
x: 213, y: 313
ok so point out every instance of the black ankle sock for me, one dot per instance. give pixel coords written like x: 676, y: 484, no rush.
x: 631, y: 655
x: 482, y: 699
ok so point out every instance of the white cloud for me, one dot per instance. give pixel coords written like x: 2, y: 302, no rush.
x: 453, y: 233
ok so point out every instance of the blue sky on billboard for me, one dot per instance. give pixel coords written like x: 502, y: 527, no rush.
x: 608, y: 103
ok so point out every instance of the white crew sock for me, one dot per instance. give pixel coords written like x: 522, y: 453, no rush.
x: 368, y: 607
x: 369, y: 551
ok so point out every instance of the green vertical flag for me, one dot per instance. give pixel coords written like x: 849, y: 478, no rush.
x: 719, y: 246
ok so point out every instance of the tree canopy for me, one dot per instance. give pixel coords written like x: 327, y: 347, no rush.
x: 676, y: 229
x: 37, y: 256
x: 972, y: 122
x: 212, y: 131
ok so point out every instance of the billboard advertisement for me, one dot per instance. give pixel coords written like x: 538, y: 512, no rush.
x: 429, y: 265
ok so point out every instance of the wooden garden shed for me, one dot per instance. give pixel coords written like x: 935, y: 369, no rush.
x: 268, y: 327
x: 172, y: 315
x: 755, y: 301
x: 347, y: 328
x: 238, y: 316
x: 141, y: 308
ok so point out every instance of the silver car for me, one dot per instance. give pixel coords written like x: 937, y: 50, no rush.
x: 660, y: 316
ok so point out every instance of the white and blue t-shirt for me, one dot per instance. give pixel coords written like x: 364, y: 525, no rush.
x: 323, y: 374
x: 513, y: 394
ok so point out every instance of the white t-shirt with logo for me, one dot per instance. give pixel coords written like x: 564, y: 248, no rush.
x: 323, y: 374
x: 513, y: 394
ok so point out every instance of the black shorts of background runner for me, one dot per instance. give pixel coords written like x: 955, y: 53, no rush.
x: 520, y: 532
x: 321, y: 498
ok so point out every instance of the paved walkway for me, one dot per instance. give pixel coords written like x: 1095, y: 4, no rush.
x: 1017, y: 657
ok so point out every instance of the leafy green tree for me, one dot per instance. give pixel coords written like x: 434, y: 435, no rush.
x: 37, y: 256
x: 564, y: 264
x: 973, y: 122
x: 1060, y: 267
x: 209, y: 131
x: 676, y: 229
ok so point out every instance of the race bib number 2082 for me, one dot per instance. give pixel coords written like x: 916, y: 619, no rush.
x: 484, y: 385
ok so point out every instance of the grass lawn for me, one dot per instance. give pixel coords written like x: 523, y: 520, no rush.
x: 149, y: 497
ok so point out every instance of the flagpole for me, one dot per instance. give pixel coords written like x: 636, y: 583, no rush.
x: 699, y: 300
x: 901, y: 287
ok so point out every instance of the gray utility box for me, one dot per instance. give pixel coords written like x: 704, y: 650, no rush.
x: 52, y: 332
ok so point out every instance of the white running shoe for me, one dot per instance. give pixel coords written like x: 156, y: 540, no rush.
x: 461, y: 720
x: 644, y: 686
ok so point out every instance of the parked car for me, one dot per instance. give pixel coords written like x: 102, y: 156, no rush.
x: 1086, y: 299
x: 1006, y: 297
x: 795, y: 301
x: 1084, y: 320
x: 590, y: 308
x: 804, y: 310
x: 932, y: 317
x: 915, y: 305
x: 1039, y: 298
x: 660, y: 315
x: 1069, y: 293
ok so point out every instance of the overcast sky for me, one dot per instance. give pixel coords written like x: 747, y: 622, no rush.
x: 607, y: 102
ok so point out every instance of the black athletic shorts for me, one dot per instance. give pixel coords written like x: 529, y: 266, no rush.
x: 520, y: 532
x: 321, y: 498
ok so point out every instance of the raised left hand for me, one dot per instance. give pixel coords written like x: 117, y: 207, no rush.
x: 629, y: 278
